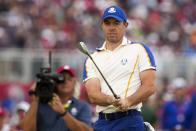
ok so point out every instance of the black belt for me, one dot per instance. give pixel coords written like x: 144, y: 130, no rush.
x: 118, y: 115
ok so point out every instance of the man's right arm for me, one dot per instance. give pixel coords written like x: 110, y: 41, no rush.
x: 95, y: 95
x: 93, y: 86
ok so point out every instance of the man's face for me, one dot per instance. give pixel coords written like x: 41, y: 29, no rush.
x: 179, y: 94
x: 113, y: 29
x: 68, y: 86
x: 21, y: 114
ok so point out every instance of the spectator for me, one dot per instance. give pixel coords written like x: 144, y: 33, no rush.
x: 21, y: 109
x: 63, y: 112
x: 173, y: 116
x: 3, y: 125
x: 190, y: 114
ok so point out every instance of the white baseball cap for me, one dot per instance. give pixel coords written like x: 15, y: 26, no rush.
x: 23, y: 106
x: 178, y: 83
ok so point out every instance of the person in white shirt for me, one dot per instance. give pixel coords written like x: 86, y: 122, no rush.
x: 129, y: 67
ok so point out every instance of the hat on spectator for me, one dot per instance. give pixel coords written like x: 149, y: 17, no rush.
x: 115, y: 12
x: 2, y: 111
x: 23, y: 106
x: 178, y: 83
x: 66, y: 68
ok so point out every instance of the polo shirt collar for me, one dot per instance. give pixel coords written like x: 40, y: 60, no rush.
x: 125, y: 41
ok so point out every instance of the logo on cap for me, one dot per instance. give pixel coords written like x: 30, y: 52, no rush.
x: 115, y: 12
x: 112, y: 10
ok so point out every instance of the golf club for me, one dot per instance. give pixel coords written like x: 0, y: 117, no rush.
x: 83, y: 48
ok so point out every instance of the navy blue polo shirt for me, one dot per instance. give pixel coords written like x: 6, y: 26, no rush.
x: 49, y: 120
x: 173, y: 114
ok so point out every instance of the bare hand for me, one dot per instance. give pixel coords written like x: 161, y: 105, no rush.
x: 123, y: 104
x: 113, y: 101
x: 33, y: 86
x: 56, y: 104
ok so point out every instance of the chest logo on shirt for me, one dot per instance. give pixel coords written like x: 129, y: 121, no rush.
x: 124, y: 61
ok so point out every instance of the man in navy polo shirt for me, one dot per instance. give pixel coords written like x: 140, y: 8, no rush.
x: 63, y: 112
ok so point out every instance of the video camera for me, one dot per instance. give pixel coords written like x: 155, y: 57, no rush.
x: 47, y: 82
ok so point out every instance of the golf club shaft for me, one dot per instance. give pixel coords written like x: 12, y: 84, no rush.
x: 103, y: 77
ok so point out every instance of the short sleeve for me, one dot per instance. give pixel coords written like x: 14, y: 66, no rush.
x: 88, y: 71
x: 146, y: 58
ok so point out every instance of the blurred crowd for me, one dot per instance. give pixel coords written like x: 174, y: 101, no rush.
x: 171, y: 108
x: 61, y: 24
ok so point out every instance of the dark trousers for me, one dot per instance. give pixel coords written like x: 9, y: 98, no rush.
x: 126, y: 121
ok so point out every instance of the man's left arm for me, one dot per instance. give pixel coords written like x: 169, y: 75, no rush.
x: 146, y: 89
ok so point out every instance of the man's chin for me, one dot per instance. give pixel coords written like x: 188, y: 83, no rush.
x: 112, y: 39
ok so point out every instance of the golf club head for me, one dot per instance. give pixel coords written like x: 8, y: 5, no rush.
x: 83, y: 48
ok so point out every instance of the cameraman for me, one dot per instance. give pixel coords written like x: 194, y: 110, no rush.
x: 63, y: 112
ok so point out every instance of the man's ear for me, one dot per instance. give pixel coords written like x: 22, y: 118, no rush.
x: 126, y: 24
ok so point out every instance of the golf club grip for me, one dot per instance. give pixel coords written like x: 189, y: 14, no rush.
x: 114, y: 94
